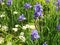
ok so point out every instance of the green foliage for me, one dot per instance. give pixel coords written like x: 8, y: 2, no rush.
x: 46, y: 26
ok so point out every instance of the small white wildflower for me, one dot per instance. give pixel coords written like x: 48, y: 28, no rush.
x: 15, y: 29
x: 1, y: 40
x: 2, y: 15
x: 2, y: 3
x: 22, y: 33
x: 15, y: 12
x: 27, y: 25
x: 5, y: 28
x: 24, y: 27
x: 17, y: 25
x: 9, y: 43
x: 32, y: 27
x: 22, y: 38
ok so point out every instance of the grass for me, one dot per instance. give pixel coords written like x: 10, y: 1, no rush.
x: 46, y: 26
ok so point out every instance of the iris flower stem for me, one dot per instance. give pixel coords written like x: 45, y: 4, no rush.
x: 27, y: 15
x: 35, y: 23
x: 22, y: 23
x: 40, y: 24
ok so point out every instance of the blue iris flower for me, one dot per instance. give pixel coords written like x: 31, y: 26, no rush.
x: 34, y: 35
x: 21, y: 17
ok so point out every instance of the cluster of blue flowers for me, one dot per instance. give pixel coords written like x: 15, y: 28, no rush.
x: 38, y: 10
x: 57, y: 4
x: 22, y: 17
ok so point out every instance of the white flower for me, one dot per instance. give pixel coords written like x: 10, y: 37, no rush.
x: 15, y: 29
x: 15, y: 12
x: 32, y: 27
x: 1, y: 40
x: 9, y: 43
x: 22, y: 33
x: 2, y: 3
x: 5, y: 28
x: 22, y: 38
x: 2, y: 15
x: 27, y: 25
x: 17, y: 25
x: 24, y: 27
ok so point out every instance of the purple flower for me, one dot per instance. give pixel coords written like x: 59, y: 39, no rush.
x: 57, y: 5
x: 59, y: 2
x: 36, y: 14
x: 38, y: 7
x: 1, y: 1
x: 27, y: 5
x: 34, y: 35
x: 38, y: 10
x: 44, y: 44
x: 21, y: 17
x: 58, y: 27
x: 9, y: 2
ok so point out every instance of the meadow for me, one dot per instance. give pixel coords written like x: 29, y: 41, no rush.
x: 29, y: 22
